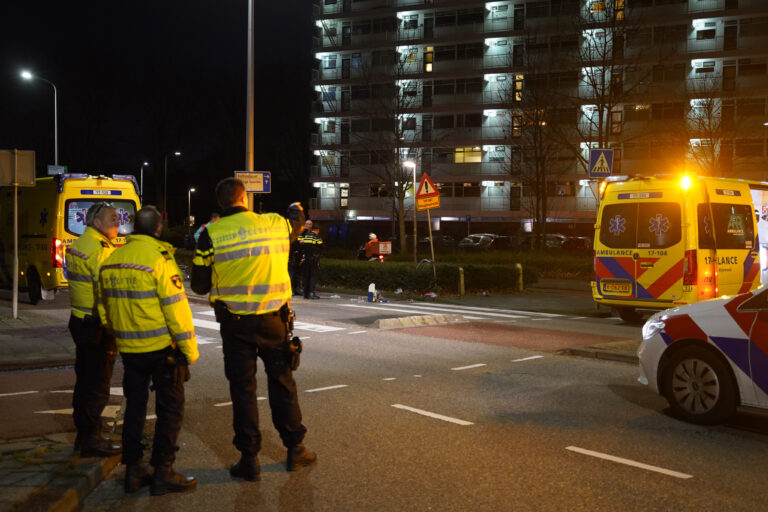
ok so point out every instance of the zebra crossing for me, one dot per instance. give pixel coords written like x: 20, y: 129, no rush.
x: 468, y: 312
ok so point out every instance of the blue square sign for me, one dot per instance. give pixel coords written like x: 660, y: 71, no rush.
x: 600, y: 163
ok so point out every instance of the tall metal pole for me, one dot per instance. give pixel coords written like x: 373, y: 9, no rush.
x: 249, y: 143
x: 415, y: 240
x: 55, y: 125
x: 15, y: 303
x: 141, y: 185
x: 165, y: 189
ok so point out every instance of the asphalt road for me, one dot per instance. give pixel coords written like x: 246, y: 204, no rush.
x: 402, y: 421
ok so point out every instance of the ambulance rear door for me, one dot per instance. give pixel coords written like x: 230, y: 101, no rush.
x: 736, y: 260
x: 645, y: 251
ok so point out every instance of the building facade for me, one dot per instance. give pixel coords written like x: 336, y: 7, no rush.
x: 501, y: 102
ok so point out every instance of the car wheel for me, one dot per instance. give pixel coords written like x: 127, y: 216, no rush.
x: 699, y: 387
x: 34, y: 286
x: 629, y: 315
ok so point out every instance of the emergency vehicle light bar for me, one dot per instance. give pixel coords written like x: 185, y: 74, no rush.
x: 128, y: 177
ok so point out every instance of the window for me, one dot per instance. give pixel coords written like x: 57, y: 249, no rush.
x: 748, y: 147
x: 537, y: 9
x: 470, y: 51
x: 330, y: 31
x: 517, y: 126
x: 329, y: 126
x: 443, y: 53
x: 616, y: 120
x: 596, y: 7
x: 360, y: 125
x: 748, y: 67
x: 469, y: 85
x: 445, y: 189
x: 637, y: 112
x: 445, y: 19
x: 734, y: 227
x: 410, y: 89
x: 443, y: 122
x: 384, y: 25
x: 383, y: 125
x: 499, y: 12
x: 443, y: 87
x: 751, y: 107
x: 469, y: 16
x: 360, y: 92
x: 329, y: 95
x: 469, y: 189
x: 705, y: 67
x: 468, y: 155
x: 411, y: 22
x: 667, y: 111
x: 76, y: 210
x: 329, y: 61
x: 409, y: 123
x: 361, y: 27
x: 470, y: 120
x: 658, y: 225
x: 705, y: 34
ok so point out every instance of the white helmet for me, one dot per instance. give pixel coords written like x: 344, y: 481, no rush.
x: 371, y: 236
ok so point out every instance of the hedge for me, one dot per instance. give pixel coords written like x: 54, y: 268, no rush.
x: 391, y: 275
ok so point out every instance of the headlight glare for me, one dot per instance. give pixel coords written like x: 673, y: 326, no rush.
x: 652, y: 327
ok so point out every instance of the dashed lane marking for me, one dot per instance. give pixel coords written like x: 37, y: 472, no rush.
x: 356, y: 332
x: 480, y: 310
x: 526, y: 359
x: 110, y: 411
x: 389, y: 378
x: 327, y: 388
x: 205, y: 340
x: 629, y: 462
x: 433, y: 415
x: 225, y: 404
x: 205, y: 324
x: 459, y: 368
x: 18, y: 393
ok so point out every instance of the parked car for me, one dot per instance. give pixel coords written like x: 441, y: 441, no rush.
x: 709, y: 357
x: 441, y: 243
x: 475, y: 243
x: 578, y: 243
x: 528, y: 241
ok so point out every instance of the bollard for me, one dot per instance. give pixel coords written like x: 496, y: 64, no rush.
x: 461, y: 281
x: 519, y: 269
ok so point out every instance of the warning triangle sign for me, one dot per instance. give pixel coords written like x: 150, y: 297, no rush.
x: 426, y: 188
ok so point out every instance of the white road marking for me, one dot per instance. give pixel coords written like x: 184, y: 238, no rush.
x: 356, y: 332
x: 338, y: 386
x: 422, y: 310
x: 205, y: 324
x: 304, y: 326
x: 526, y: 359
x: 306, y: 338
x: 577, y: 317
x: 110, y: 411
x: 433, y: 415
x: 226, y: 404
x: 629, y: 462
x: 205, y: 340
x: 67, y: 391
x: 116, y: 391
x: 459, y: 368
x: 417, y: 376
x: 389, y: 378
x: 18, y: 393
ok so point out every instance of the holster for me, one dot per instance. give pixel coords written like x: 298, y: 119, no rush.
x: 179, y: 365
x: 293, y: 342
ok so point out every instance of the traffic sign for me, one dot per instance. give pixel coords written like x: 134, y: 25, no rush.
x: 600, y: 163
x: 426, y: 188
x: 256, y: 182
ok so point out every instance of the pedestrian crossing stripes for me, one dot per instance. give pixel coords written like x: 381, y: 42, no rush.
x: 468, y: 312
x: 297, y: 326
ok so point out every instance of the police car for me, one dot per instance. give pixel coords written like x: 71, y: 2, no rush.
x: 710, y: 357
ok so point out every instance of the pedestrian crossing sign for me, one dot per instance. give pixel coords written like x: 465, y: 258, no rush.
x: 600, y: 163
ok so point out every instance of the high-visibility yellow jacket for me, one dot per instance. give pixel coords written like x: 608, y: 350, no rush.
x: 84, y: 258
x: 249, y: 256
x: 144, y: 300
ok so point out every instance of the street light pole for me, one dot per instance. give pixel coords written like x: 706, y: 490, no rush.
x: 412, y: 165
x: 141, y: 183
x: 165, y: 185
x: 26, y: 75
x: 189, y: 205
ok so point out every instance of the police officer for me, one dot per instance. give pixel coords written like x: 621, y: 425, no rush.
x: 242, y: 260
x: 95, y: 350
x: 294, y: 261
x: 145, y: 306
x: 311, y: 246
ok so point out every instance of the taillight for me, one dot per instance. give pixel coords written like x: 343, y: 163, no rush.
x: 690, y: 270
x: 57, y: 253
x: 381, y: 257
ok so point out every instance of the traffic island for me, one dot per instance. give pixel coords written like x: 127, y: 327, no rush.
x: 418, y: 321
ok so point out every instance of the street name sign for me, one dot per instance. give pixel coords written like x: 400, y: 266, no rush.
x: 256, y: 182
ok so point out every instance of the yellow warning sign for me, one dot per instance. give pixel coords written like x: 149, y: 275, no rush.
x: 425, y: 203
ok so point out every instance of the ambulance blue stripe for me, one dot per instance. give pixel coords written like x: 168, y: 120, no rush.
x: 759, y: 366
x: 749, y: 260
x: 736, y: 349
x: 616, y: 269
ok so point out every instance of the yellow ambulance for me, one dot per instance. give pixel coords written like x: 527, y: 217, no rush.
x: 664, y: 241
x: 51, y: 217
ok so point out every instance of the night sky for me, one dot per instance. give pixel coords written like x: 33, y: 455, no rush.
x: 138, y: 79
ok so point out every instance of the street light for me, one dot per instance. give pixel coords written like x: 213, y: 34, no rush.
x: 141, y: 184
x: 26, y: 75
x: 412, y: 165
x: 165, y: 184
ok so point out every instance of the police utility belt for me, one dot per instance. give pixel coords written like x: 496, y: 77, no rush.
x: 287, y: 316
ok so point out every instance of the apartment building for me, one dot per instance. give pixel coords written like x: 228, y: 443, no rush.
x: 501, y: 101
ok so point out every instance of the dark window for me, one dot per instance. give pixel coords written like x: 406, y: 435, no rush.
x: 705, y: 34
x: 409, y: 124
x: 618, y: 225
x: 445, y: 19
x: 383, y: 57
x: 734, y: 226
x: 467, y: 16
x: 751, y: 107
x: 473, y: 120
x: 444, y: 121
x: 360, y: 92
x: 384, y: 25
x: 470, y: 51
x: 359, y: 158
x: 361, y: 125
x: 470, y: 189
x: 469, y: 85
x: 658, y: 225
x: 704, y: 221
x: 445, y: 189
x: 537, y: 9
x: 361, y: 27
x: 749, y: 68
x: 748, y: 147
x: 411, y: 22
x: 443, y: 87
x: 383, y: 125
x: 445, y: 53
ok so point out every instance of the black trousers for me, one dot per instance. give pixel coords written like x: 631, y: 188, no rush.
x: 294, y: 270
x: 168, y: 382
x: 310, y: 268
x: 244, y: 339
x: 95, y: 355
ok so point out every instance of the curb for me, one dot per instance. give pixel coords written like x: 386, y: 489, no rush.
x: 597, y: 353
x: 418, y: 321
x: 79, y: 487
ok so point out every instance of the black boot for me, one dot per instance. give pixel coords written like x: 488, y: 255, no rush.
x: 247, y: 468
x: 98, y: 447
x: 299, y: 456
x: 166, y: 480
x: 136, y: 476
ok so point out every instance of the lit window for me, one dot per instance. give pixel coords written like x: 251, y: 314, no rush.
x: 597, y: 7
x: 468, y: 155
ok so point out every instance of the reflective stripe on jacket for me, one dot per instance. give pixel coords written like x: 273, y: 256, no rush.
x: 84, y: 258
x: 144, y: 300
x: 250, y: 260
